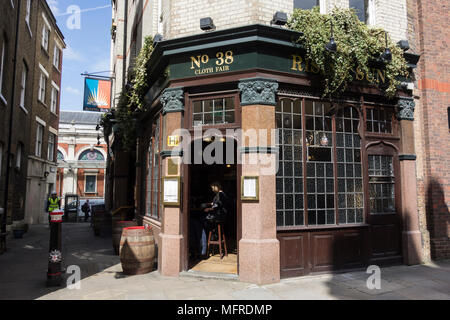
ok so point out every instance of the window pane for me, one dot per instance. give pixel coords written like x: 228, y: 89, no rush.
x: 305, y: 4
x: 360, y: 8
x: 216, y: 111
x: 289, y: 176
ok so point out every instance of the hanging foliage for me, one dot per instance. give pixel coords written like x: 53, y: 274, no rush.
x: 139, y: 80
x: 358, y: 48
x: 131, y: 99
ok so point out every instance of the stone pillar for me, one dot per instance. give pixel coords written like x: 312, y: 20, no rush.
x: 170, y: 255
x: 259, y: 248
x: 411, y: 236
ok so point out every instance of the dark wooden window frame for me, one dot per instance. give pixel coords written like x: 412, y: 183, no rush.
x: 150, y: 173
x: 362, y: 134
x: 191, y: 98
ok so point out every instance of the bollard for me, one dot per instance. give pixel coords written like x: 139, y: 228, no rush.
x: 54, y: 274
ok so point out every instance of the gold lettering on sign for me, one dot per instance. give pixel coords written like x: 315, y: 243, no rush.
x: 223, y: 62
x: 297, y: 62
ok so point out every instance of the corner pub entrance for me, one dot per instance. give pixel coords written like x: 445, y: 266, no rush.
x: 344, y: 195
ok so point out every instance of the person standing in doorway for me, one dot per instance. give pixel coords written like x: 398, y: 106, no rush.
x: 86, y: 208
x: 53, y: 203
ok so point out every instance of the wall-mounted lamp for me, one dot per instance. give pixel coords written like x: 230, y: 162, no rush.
x: 331, y: 46
x: 207, y: 24
x: 158, y: 37
x: 386, y: 55
x: 46, y: 173
x: 279, y: 19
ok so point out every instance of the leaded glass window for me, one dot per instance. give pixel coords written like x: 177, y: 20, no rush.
x: 330, y: 143
x: 381, y: 184
x: 319, y: 166
x: 349, y: 168
x: 379, y: 120
x: 289, y: 185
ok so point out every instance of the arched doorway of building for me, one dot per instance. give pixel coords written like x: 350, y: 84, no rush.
x: 212, y: 160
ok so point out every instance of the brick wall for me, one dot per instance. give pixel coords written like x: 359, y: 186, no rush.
x: 428, y: 36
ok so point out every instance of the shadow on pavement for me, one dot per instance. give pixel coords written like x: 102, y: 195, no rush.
x: 23, y: 268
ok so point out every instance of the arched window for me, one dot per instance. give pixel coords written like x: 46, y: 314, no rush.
x: 60, y: 156
x: 91, y: 155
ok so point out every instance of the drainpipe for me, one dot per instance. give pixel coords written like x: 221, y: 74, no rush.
x: 8, y: 161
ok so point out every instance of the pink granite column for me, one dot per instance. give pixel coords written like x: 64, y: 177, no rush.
x: 170, y: 251
x: 259, y: 248
x: 411, y: 235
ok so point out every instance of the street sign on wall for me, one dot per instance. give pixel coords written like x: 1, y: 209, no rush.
x: 97, y: 94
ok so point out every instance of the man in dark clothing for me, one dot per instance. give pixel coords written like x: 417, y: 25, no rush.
x: 86, y: 208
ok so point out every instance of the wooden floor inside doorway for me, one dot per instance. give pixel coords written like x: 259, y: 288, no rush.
x: 215, y: 264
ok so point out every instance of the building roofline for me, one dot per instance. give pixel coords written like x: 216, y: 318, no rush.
x: 55, y: 23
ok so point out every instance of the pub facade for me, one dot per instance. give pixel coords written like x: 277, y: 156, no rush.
x: 342, y: 195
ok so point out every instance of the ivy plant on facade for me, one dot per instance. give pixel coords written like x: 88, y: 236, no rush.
x: 131, y: 99
x: 359, y: 48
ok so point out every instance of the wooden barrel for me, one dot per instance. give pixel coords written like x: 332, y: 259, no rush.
x: 137, y: 250
x: 97, y: 221
x: 117, y: 232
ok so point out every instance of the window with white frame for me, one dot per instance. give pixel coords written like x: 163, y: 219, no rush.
x: 51, y: 147
x: 45, y: 37
x: 57, y: 57
x: 39, y: 139
x: 54, y: 99
x: 365, y: 10
x: 23, y: 85
x: 2, y: 66
x: 90, y: 184
x: 306, y: 4
x: 19, y: 152
x: 42, y: 87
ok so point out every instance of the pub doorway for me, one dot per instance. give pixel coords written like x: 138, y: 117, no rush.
x: 202, y: 174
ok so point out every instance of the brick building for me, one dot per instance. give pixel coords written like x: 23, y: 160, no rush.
x: 81, y: 160
x: 303, y: 221
x: 19, y: 35
x: 428, y: 36
x: 44, y: 114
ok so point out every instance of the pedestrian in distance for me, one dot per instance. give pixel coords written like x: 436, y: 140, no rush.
x: 53, y: 203
x: 86, y: 208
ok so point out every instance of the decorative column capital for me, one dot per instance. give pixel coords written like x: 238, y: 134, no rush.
x: 405, y: 109
x: 173, y: 100
x: 258, y: 91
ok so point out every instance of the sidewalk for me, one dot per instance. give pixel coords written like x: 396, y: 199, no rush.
x: 23, y: 272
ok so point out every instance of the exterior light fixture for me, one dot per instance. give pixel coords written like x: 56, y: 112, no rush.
x: 207, y: 24
x: 386, y: 55
x: 331, y: 46
x: 158, y: 37
x: 279, y: 19
x: 403, y: 44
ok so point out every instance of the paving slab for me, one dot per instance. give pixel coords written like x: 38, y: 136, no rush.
x: 23, y: 273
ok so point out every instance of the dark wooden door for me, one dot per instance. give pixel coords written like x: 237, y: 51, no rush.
x: 383, y: 204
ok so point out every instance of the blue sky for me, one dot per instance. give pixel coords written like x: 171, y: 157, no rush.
x: 88, y: 47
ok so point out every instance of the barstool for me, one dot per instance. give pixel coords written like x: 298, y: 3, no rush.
x: 220, y: 241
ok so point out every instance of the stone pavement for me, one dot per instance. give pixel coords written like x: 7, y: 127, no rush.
x: 23, y: 272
